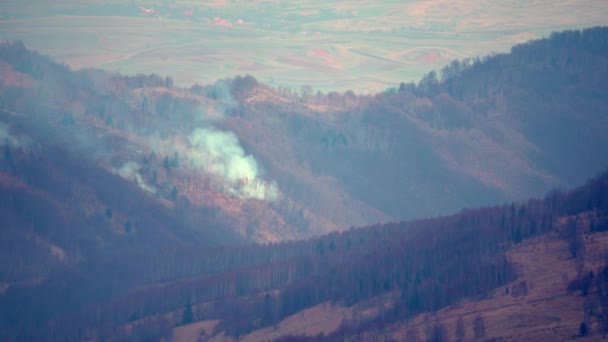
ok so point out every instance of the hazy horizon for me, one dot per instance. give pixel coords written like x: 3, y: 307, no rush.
x: 346, y: 45
x: 210, y: 192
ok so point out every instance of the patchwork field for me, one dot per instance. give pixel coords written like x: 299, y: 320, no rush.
x: 367, y: 46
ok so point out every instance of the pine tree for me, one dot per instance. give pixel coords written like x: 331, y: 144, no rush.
x: 187, y: 316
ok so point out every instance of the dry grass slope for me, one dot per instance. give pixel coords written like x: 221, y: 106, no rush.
x: 535, y: 307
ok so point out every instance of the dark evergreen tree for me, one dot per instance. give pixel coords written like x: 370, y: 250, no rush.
x: 583, y: 330
x: 479, y: 328
x: 460, y: 332
x: 187, y: 315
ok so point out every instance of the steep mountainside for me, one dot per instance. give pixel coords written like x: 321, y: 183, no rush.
x: 495, y: 263
x: 276, y: 164
x: 125, y: 201
x: 506, y: 127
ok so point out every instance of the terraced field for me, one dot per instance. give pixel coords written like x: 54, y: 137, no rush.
x: 366, y: 46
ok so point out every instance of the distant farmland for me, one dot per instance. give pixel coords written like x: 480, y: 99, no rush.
x: 366, y: 46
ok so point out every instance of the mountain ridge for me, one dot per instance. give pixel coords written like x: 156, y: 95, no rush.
x: 131, y: 205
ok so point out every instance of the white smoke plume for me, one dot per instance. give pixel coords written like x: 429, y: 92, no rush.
x: 219, y: 152
x: 129, y: 171
x: 15, y: 141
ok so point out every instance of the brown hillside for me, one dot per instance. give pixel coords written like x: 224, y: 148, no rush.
x: 537, y: 306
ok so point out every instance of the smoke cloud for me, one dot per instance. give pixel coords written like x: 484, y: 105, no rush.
x: 220, y: 153
x: 130, y: 171
x: 15, y: 141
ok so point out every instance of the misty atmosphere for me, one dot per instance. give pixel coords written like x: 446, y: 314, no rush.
x: 303, y: 171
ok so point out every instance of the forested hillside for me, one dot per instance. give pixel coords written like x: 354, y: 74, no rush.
x: 423, y: 266
x: 481, y: 131
x: 130, y: 206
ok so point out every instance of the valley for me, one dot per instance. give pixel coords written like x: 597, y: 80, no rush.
x: 364, y: 46
x: 471, y: 205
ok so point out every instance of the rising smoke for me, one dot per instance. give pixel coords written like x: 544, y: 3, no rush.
x: 130, y: 171
x: 219, y: 152
x: 211, y: 150
x: 15, y: 141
